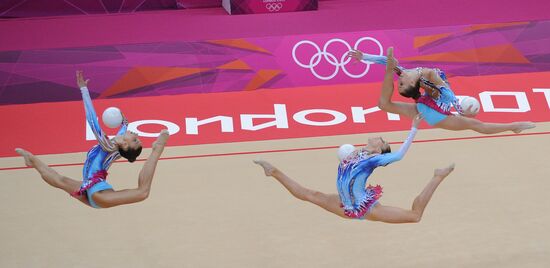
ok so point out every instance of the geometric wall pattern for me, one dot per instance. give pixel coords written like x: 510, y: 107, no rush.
x: 168, y: 68
x: 132, y: 70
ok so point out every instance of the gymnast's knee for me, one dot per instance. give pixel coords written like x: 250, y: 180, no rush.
x: 415, y: 217
x: 143, y: 193
x: 310, y: 196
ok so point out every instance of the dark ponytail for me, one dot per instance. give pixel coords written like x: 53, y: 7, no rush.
x: 131, y: 154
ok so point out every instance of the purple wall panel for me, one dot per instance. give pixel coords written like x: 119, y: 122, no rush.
x: 39, y: 8
x: 198, y: 3
x: 132, y: 70
x: 47, y: 8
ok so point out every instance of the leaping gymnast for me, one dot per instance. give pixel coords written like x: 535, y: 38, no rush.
x: 436, y: 102
x: 353, y: 200
x: 94, y: 190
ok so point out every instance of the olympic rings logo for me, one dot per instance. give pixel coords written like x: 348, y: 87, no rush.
x: 332, y: 59
x: 274, y: 7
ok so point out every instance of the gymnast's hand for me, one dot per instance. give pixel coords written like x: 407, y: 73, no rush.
x: 356, y: 54
x: 417, y: 119
x: 80, y: 80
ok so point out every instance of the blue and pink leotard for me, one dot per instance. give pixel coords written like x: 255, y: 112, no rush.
x: 100, y: 157
x: 353, y: 173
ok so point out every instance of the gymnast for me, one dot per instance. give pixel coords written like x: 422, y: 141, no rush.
x: 436, y: 102
x: 94, y: 190
x: 354, y: 200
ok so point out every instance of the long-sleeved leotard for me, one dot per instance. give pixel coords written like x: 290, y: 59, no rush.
x: 101, y: 156
x: 443, y: 103
x: 353, y: 173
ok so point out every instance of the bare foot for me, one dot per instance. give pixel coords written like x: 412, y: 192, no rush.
x: 26, y: 155
x: 268, y: 168
x: 161, y: 139
x: 444, y: 172
x: 521, y: 126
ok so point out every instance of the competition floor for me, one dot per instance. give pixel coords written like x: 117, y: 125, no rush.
x: 222, y: 211
x: 210, y: 206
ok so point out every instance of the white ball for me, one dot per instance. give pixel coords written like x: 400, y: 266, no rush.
x: 344, y: 151
x: 470, y: 106
x: 112, y: 117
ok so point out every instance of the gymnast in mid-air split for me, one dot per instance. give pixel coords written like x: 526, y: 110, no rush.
x: 436, y: 102
x: 354, y: 200
x: 94, y: 190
